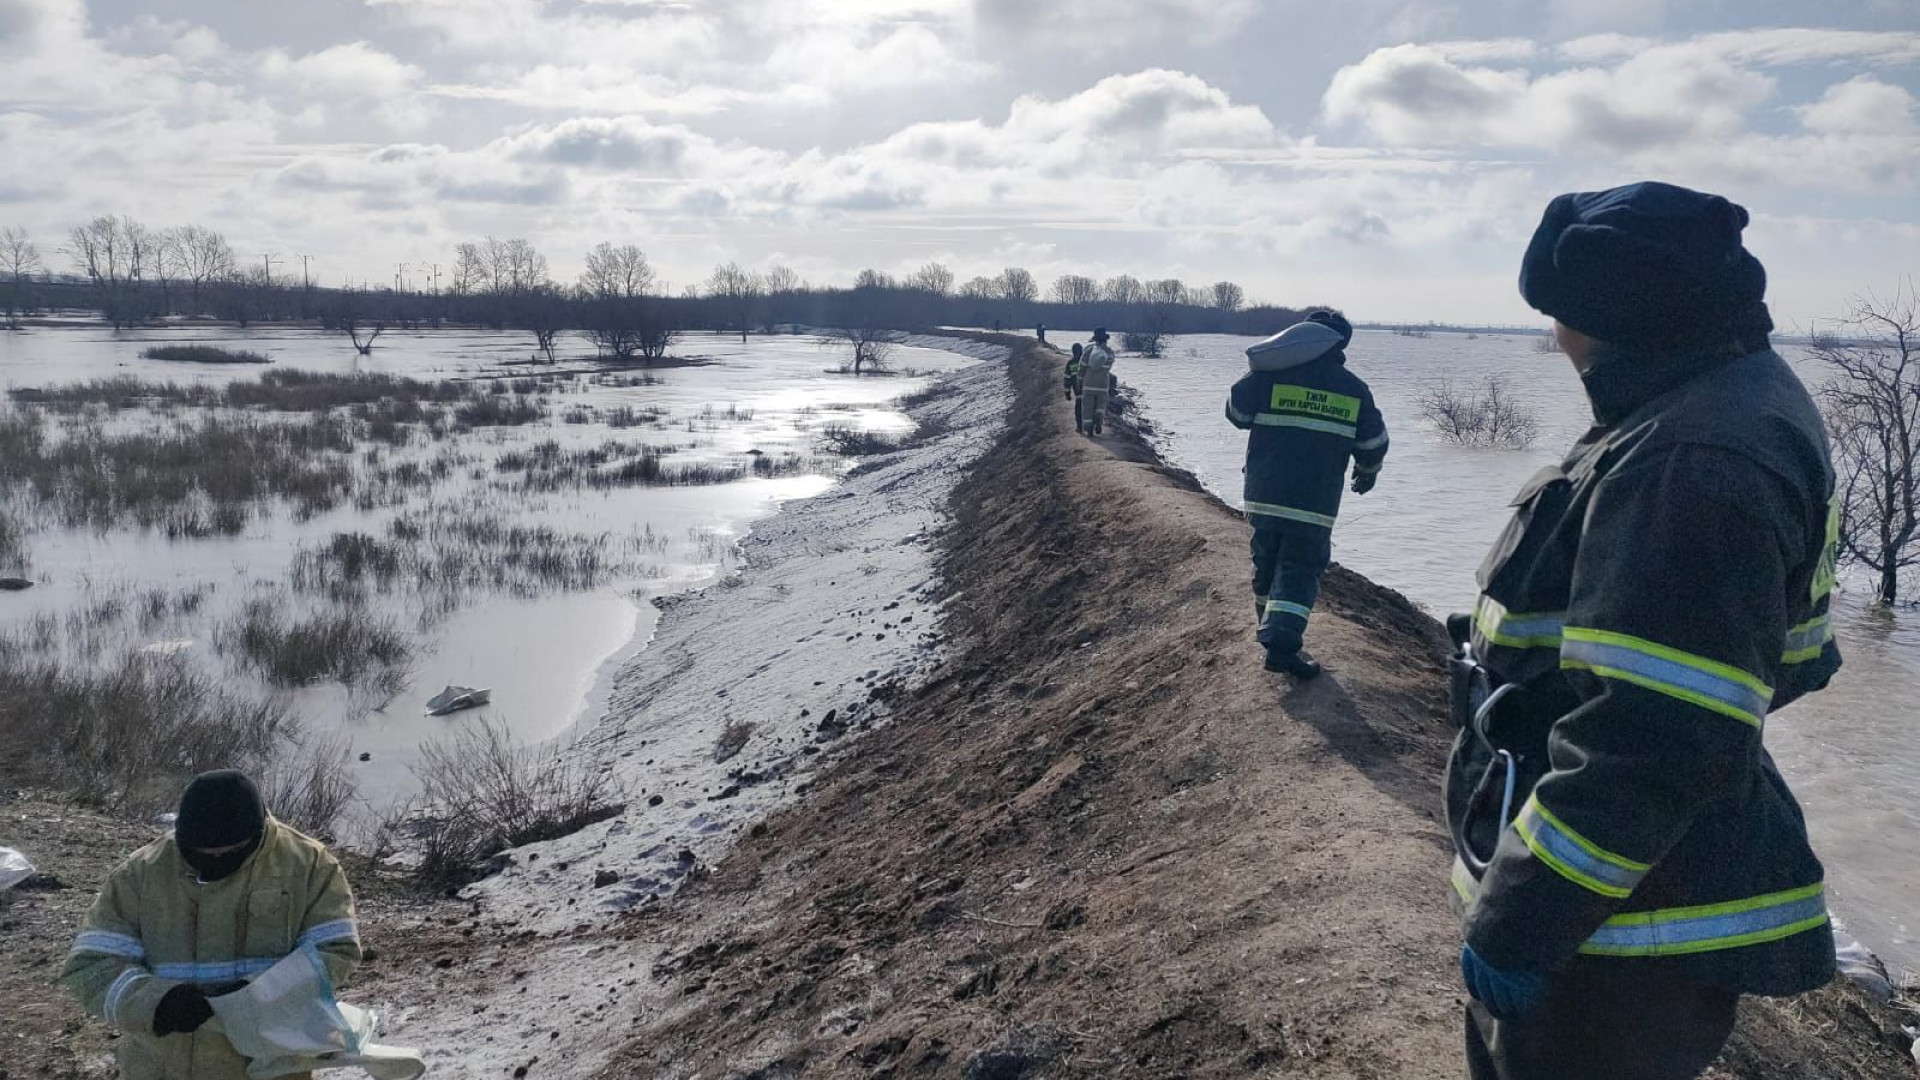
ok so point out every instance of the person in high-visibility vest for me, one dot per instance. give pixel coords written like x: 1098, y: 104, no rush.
x: 1306, y: 417
x: 1630, y: 861
x: 195, y: 914
x: 1096, y: 382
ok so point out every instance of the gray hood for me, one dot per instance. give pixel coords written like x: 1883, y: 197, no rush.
x: 1298, y: 344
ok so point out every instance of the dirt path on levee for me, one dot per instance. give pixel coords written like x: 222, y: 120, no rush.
x: 1106, y: 843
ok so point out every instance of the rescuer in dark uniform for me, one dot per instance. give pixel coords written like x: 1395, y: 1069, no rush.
x: 1307, y: 416
x: 1630, y: 860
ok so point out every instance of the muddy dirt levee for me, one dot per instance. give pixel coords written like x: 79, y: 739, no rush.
x: 1105, y: 843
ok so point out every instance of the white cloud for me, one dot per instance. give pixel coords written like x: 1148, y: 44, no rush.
x: 1861, y: 105
x: 1101, y: 26
x: 1768, y: 47
x: 1416, y: 95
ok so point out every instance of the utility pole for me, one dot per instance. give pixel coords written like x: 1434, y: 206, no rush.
x: 399, y: 277
x: 436, y: 278
x: 269, y: 259
x: 306, y: 279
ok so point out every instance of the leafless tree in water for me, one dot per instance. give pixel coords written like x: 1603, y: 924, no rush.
x: 1872, y: 408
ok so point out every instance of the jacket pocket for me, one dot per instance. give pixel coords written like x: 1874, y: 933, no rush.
x: 1513, y: 570
x: 269, y: 924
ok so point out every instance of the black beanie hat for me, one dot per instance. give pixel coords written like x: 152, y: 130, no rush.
x: 220, y: 809
x: 1335, y: 322
x: 1649, y: 266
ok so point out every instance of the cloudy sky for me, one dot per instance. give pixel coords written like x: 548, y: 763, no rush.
x: 1387, y: 155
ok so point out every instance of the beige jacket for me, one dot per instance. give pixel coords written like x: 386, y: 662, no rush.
x: 155, y: 926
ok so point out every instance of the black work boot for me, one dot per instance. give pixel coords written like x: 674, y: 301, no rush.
x: 1297, y: 664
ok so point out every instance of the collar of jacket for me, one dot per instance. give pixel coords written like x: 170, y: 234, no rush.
x: 1622, y: 380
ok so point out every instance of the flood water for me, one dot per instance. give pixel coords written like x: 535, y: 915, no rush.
x: 549, y: 654
x: 1851, y: 753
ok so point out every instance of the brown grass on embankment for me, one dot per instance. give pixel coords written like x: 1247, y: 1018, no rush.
x: 1105, y: 843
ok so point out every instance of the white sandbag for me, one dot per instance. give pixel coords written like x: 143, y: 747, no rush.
x: 287, y: 1021
x: 1301, y: 343
x: 14, y: 868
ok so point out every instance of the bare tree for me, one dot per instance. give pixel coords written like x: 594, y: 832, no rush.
x: 1075, y: 289
x: 621, y: 271
x: 1168, y: 291
x: 109, y: 250
x: 614, y: 291
x: 1487, y: 416
x: 782, y: 281
x: 201, y: 257
x: 932, y: 278
x: 19, y: 261
x: 981, y: 288
x: 739, y: 291
x: 1228, y: 297
x: 1872, y: 408
x: 351, y: 313
x: 1018, y: 286
x: 873, y: 279
x: 498, y: 268
x: 870, y: 346
x: 1124, y: 289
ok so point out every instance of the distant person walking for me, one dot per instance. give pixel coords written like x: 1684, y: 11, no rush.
x: 1040, y: 333
x: 1630, y: 860
x: 1096, y: 383
x: 1307, y: 416
x: 195, y: 915
x: 1072, y: 381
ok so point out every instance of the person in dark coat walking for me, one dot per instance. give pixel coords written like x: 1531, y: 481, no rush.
x: 1307, y: 416
x: 1630, y: 861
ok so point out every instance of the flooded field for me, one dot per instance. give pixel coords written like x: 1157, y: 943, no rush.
x: 1852, y: 753
x: 302, y: 553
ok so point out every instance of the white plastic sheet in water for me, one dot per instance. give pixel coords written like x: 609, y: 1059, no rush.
x: 287, y: 1022
x: 14, y: 868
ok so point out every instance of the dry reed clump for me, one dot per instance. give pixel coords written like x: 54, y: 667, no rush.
x: 857, y: 442
x: 187, y: 479
x: 310, y: 786
x: 352, y: 645
x: 125, y: 733
x: 497, y: 410
x: 481, y: 794
x: 446, y: 552
x: 203, y: 354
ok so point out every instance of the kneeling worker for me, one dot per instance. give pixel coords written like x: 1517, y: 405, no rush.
x: 195, y: 915
x: 1630, y: 860
x: 1308, y: 416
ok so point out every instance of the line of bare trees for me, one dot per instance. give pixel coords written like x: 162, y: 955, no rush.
x: 133, y: 273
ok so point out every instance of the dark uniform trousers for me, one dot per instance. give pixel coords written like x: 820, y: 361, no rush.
x: 1605, y: 1025
x: 1287, y: 564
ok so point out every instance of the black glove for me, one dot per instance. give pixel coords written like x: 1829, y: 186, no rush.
x: 181, y: 1012
x: 1363, y: 482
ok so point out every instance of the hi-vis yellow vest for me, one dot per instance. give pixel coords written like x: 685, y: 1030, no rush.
x: 155, y: 927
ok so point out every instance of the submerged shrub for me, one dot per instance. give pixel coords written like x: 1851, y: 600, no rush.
x: 352, y: 645
x: 1487, y: 416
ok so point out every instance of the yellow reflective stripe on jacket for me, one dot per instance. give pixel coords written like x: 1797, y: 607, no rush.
x: 1696, y: 680
x: 1288, y: 513
x: 1703, y: 928
x: 1809, y: 640
x: 1708, y: 927
x: 1574, y: 857
x: 1311, y: 402
x: 1309, y: 423
x: 1529, y: 631
x: 1826, y: 575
